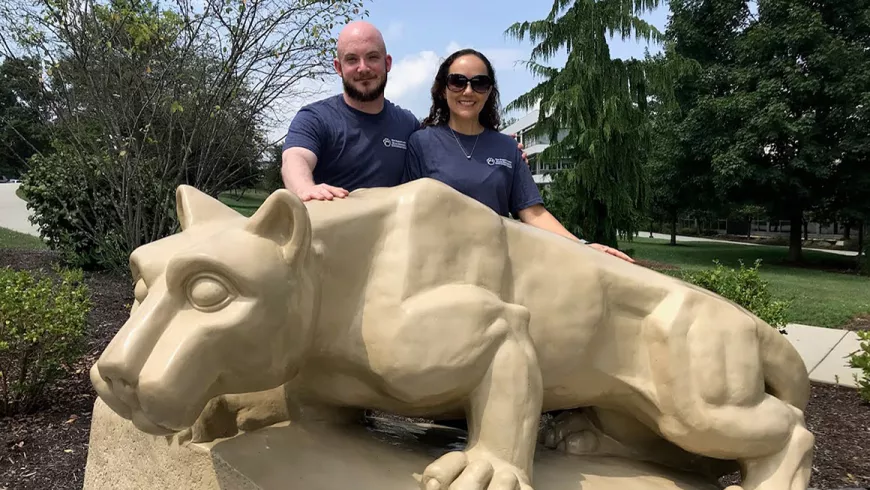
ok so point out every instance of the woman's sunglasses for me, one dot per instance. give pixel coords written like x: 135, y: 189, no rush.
x: 479, y: 83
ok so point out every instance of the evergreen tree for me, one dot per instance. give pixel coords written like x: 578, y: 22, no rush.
x: 599, y: 105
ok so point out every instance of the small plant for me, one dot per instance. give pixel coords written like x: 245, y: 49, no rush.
x: 861, y: 360
x: 42, y: 324
x: 745, y: 287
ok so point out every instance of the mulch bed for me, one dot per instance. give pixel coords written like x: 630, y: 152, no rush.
x: 860, y: 322
x: 47, y: 450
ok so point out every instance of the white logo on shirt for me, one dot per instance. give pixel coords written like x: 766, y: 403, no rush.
x: 391, y: 143
x: 500, y: 161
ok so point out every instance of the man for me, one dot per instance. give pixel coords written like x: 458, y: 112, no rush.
x: 356, y: 139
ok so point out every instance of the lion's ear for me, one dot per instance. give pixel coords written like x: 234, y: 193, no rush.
x: 283, y: 219
x: 194, y: 206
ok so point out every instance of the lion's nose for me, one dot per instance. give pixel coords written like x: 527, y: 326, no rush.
x: 120, y: 379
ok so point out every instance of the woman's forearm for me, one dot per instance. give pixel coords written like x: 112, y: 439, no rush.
x: 539, y: 217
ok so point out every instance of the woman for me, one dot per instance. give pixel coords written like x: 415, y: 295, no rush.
x: 460, y: 145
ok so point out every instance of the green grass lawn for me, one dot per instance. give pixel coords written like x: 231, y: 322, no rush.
x: 14, y: 239
x: 245, y: 204
x: 821, y: 293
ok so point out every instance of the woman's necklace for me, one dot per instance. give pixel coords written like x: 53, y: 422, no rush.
x: 467, y: 155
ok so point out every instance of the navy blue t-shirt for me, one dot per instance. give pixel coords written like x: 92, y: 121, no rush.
x: 354, y: 149
x: 495, y: 175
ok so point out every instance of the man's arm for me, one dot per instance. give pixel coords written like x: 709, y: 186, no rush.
x: 297, y: 166
x: 305, y: 140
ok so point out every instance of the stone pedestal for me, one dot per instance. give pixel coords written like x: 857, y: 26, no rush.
x: 321, y: 457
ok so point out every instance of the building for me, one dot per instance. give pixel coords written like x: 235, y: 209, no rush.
x: 534, y: 145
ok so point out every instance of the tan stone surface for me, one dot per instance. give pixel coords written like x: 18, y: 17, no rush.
x: 325, y: 457
x: 122, y: 457
x: 420, y: 301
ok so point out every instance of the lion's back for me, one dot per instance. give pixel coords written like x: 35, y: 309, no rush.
x: 438, y: 235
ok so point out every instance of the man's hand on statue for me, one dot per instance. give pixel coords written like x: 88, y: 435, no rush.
x: 321, y: 192
x: 611, y: 251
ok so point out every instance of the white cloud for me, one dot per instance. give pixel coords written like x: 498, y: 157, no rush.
x: 412, y: 74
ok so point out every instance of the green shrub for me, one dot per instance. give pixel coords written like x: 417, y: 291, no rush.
x: 861, y: 360
x: 743, y: 286
x: 42, y: 324
x: 84, y: 213
x: 69, y: 200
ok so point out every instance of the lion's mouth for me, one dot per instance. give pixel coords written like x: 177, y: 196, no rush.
x: 128, y: 407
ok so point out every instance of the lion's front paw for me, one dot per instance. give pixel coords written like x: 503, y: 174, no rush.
x: 473, y: 470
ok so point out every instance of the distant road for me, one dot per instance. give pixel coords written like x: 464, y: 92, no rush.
x: 680, y: 238
x: 14, y: 212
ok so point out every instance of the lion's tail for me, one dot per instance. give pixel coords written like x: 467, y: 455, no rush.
x: 785, y: 373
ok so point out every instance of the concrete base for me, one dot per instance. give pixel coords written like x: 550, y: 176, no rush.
x: 322, y: 457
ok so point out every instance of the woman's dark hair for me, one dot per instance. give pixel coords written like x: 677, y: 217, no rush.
x: 439, y: 113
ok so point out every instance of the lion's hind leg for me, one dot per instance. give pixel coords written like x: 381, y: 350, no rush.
x: 707, y: 370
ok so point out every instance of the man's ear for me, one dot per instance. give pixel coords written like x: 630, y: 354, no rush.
x: 194, y: 206
x: 389, y: 63
x: 283, y: 219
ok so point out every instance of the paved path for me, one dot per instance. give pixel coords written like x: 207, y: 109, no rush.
x: 14, y: 212
x: 825, y: 353
x: 680, y: 238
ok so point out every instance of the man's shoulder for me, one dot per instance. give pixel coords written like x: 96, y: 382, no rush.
x: 328, y: 104
x: 402, y: 113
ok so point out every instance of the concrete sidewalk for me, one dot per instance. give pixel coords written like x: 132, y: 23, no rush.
x: 681, y: 238
x: 825, y: 352
x: 13, y: 211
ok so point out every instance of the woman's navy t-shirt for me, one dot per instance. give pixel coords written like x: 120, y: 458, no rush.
x: 495, y: 175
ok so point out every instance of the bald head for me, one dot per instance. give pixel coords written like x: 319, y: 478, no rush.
x: 360, y: 33
x: 362, y: 62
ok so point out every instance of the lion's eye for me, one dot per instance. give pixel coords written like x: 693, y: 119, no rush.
x: 207, y: 293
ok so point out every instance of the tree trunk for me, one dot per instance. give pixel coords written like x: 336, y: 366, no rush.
x: 836, y: 227
x: 674, y: 228
x: 794, y: 237
x: 847, y: 230
x: 749, y: 228
x: 601, y: 234
x: 806, y: 230
x: 860, y: 240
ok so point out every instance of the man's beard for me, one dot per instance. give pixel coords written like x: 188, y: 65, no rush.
x: 360, y: 96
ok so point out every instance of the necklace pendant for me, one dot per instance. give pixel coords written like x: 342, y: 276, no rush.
x: 468, y: 157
